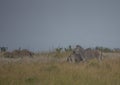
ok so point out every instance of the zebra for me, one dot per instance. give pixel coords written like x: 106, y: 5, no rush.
x: 77, y: 55
x: 80, y: 54
x: 92, y: 53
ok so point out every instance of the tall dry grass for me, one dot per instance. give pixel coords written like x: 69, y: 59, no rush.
x: 92, y: 72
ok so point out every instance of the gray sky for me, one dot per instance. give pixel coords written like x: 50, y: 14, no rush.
x: 44, y: 24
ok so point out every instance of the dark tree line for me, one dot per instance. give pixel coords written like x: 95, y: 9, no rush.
x: 3, y: 49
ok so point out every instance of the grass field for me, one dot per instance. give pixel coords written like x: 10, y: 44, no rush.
x: 34, y: 72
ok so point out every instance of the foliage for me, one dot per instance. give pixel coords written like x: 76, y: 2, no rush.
x: 104, y: 49
x: 68, y: 49
x: 18, y: 53
x: 58, y: 50
x: 3, y: 49
x: 116, y: 49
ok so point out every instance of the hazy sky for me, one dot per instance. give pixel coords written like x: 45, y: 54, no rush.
x: 46, y: 24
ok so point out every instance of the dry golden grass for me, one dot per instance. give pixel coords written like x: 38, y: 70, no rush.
x: 93, y: 72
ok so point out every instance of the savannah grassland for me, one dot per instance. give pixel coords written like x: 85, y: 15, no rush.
x: 42, y: 70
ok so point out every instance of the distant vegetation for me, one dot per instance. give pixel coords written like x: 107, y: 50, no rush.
x: 3, y: 49
x: 57, y: 52
x: 16, y: 53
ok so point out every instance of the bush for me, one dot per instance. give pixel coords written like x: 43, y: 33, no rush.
x: 3, y: 49
x: 58, y: 50
x: 8, y: 55
x: 18, y: 53
x: 104, y: 49
x: 68, y: 49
